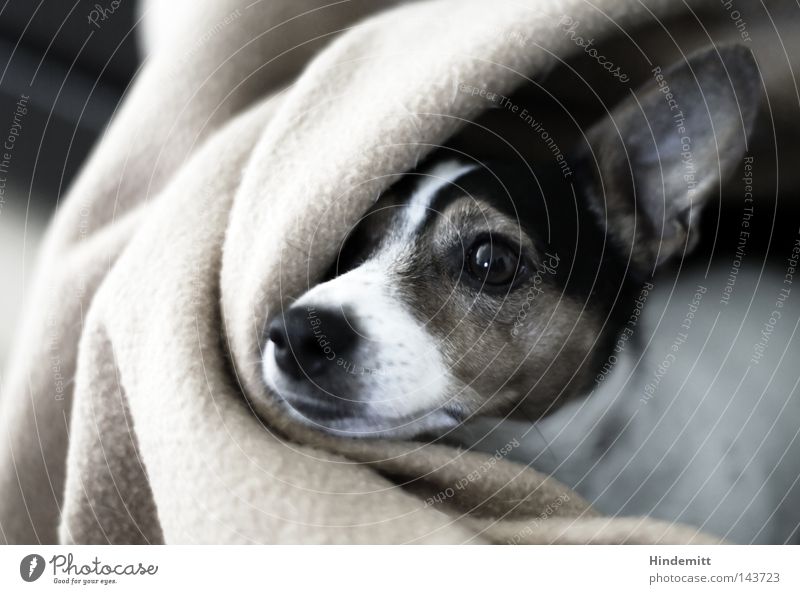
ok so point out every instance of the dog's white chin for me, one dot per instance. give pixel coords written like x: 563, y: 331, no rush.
x: 375, y: 427
x: 371, y: 424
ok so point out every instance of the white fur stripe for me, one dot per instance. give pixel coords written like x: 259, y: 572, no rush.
x: 433, y: 181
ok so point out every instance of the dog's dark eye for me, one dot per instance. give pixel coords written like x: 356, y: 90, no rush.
x: 493, y: 262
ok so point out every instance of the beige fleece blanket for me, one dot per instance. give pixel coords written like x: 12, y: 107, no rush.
x: 254, y: 136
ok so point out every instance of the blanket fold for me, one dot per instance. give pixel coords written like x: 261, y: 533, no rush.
x: 253, y: 138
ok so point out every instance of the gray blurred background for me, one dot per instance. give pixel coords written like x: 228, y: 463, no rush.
x: 75, y: 73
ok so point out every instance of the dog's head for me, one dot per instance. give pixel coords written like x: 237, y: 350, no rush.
x: 483, y: 288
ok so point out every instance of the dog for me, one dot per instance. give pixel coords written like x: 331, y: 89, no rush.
x: 477, y: 288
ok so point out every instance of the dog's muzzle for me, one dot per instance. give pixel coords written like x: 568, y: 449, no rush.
x: 309, y: 342
x: 313, y: 348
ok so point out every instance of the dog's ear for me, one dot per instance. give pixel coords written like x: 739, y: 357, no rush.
x: 660, y: 155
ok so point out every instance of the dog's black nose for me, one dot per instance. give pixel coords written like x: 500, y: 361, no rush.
x: 310, y: 340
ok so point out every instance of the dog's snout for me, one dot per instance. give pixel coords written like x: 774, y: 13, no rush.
x: 308, y: 340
